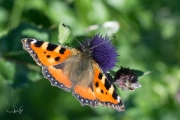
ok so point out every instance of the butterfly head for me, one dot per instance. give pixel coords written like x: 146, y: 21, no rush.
x: 104, y: 54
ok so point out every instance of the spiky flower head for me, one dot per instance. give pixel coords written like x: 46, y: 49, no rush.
x: 126, y: 79
x: 103, y: 52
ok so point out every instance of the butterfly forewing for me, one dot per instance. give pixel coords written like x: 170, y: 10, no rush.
x: 105, y: 92
x: 45, y: 53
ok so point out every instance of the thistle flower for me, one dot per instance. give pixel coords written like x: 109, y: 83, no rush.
x: 126, y: 79
x: 103, y: 52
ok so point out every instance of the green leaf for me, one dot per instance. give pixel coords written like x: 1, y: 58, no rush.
x: 63, y: 33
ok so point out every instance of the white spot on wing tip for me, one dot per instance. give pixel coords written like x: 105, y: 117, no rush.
x: 118, y: 98
x: 34, y: 41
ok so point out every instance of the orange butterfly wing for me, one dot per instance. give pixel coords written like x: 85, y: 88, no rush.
x: 101, y: 92
x: 57, y: 78
x: 45, y: 53
x: 50, y: 56
x: 85, y: 95
x: 105, y: 92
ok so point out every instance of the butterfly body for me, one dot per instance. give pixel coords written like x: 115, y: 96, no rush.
x: 74, y: 70
x: 79, y: 69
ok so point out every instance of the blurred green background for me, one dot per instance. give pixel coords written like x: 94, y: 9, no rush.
x: 148, y: 40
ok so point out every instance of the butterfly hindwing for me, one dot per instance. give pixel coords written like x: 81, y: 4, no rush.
x: 57, y: 77
x: 85, y: 96
x: 105, y: 92
x: 45, y: 53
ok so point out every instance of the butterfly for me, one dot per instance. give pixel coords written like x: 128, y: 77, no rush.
x: 74, y: 70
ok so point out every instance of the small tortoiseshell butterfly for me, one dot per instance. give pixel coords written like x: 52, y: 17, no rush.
x: 75, y: 70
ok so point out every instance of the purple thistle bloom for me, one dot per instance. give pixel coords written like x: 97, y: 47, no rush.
x: 103, y: 52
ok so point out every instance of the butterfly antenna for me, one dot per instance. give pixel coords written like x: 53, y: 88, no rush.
x: 105, y: 41
x: 71, y: 34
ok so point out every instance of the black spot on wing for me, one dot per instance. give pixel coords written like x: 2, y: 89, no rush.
x: 107, y: 84
x: 100, y: 76
x: 114, y: 95
x: 48, y: 56
x: 97, y: 84
x: 57, y: 58
x: 62, y: 50
x: 102, y: 91
x: 38, y: 43
x: 51, y: 47
x: 110, y: 78
x: 29, y: 40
